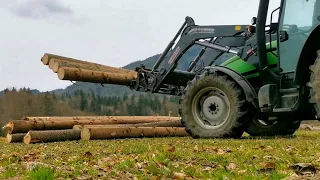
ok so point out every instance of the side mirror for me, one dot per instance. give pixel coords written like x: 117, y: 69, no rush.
x: 283, y: 36
x: 254, y: 21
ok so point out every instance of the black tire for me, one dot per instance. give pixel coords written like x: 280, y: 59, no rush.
x: 314, y: 85
x: 224, y: 92
x: 275, y: 128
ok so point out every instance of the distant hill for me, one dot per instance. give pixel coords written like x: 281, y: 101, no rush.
x: 115, y: 90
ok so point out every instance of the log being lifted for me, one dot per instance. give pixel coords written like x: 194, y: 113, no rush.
x: 131, y: 132
x: 11, y: 138
x: 58, y: 63
x: 59, y: 123
x: 175, y: 123
x: 51, y: 136
x: 83, y: 75
x: 47, y: 57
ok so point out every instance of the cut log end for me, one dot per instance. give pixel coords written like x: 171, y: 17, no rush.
x: 45, y: 59
x: 8, y: 128
x: 77, y: 127
x: 85, y: 134
x: 51, y: 63
x: 27, y: 138
x: 55, y: 67
x: 61, y: 73
x: 9, y: 138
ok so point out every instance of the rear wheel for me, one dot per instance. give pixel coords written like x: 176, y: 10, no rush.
x: 213, y: 106
x: 314, y: 85
x: 259, y: 127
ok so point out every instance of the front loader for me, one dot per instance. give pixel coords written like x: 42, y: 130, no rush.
x: 267, y: 88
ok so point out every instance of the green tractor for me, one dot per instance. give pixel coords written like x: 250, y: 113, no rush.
x: 267, y: 88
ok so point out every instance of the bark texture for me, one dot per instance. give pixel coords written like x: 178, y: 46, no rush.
x: 175, y: 123
x: 22, y: 126
x: 11, y: 138
x: 131, y: 132
x: 57, y: 63
x: 83, y: 75
x: 51, y: 136
x: 113, y: 119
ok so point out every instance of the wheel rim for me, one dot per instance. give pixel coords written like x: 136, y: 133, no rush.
x: 211, y: 108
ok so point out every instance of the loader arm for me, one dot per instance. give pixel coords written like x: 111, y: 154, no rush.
x: 167, y: 80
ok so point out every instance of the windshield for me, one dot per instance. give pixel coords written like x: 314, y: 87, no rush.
x: 301, y: 14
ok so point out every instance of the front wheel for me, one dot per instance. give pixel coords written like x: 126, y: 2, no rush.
x: 213, y: 106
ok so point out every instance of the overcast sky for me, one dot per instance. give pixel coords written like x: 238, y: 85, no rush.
x: 109, y: 32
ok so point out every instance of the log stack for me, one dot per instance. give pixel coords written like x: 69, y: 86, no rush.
x: 72, y: 69
x: 52, y: 129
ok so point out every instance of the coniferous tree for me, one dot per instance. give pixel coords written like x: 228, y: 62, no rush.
x: 48, y: 105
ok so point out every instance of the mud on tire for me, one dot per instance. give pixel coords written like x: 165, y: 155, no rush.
x: 314, y: 85
x: 197, y: 105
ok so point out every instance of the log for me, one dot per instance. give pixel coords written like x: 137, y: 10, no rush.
x: 59, y: 123
x: 48, y: 56
x: 58, y: 63
x: 11, y: 138
x: 176, y: 123
x: 83, y: 75
x: 114, y: 119
x: 51, y: 136
x: 21, y: 126
x: 131, y: 132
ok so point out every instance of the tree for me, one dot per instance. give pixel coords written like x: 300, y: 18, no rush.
x: 48, y: 105
x: 83, y: 101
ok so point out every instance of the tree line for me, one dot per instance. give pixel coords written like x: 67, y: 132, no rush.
x: 17, y: 103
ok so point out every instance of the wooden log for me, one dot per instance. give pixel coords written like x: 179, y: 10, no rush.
x: 175, y: 123
x: 11, y: 138
x: 114, y: 119
x: 21, y: 126
x: 83, y: 75
x: 51, y: 136
x: 48, y: 56
x: 131, y: 132
x: 59, y: 123
x: 58, y: 63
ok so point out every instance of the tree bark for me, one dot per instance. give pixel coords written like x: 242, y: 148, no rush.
x: 47, y: 57
x: 59, y: 123
x: 21, y: 126
x: 58, y: 63
x: 83, y: 75
x: 51, y: 136
x: 131, y: 132
x: 113, y: 119
x: 11, y: 138
x: 175, y: 123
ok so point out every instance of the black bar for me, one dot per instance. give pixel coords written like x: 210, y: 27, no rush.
x: 161, y: 58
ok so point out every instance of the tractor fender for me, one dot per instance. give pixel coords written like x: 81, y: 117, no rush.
x: 251, y: 95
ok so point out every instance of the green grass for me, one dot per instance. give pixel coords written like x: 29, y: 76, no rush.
x: 147, y: 158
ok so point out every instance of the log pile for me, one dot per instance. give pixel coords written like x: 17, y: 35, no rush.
x: 52, y: 129
x: 72, y: 69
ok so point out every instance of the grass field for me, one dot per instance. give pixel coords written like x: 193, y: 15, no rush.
x: 162, y: 158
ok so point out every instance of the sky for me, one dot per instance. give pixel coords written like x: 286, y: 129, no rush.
x: 108, y: 32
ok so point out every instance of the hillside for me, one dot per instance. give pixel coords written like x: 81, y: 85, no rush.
x: 115, y: 90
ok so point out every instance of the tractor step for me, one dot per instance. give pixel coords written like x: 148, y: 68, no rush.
x: 282, y: 110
